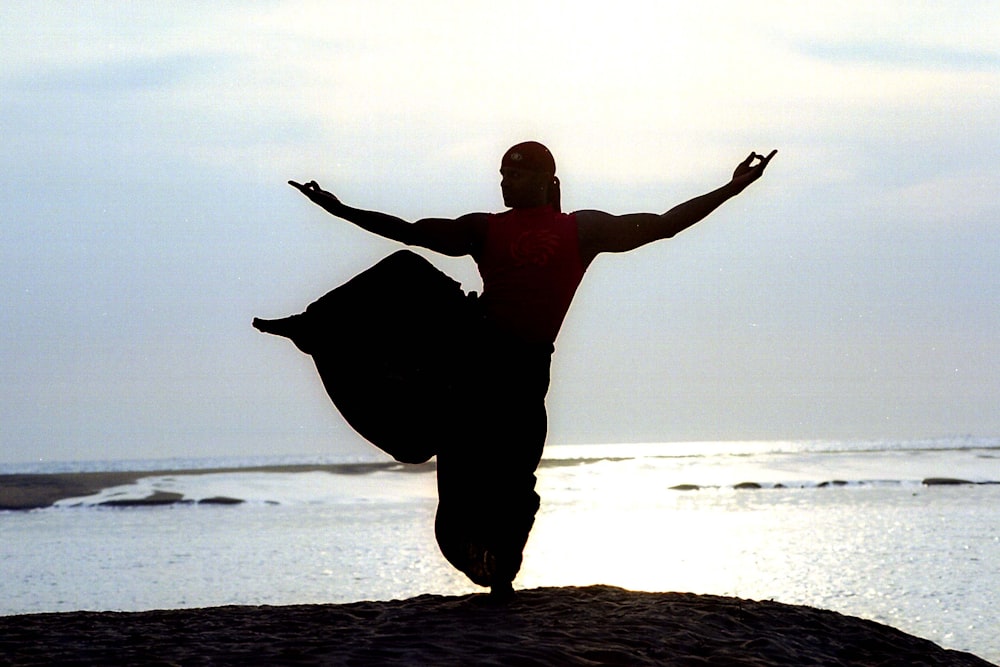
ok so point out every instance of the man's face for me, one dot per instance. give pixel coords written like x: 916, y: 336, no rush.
x: 522, y: 188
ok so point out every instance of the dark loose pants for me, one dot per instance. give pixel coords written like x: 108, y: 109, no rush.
x: 486, y: 473
x: 407, y: 359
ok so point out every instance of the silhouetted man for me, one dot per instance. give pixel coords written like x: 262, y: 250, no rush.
x: 532, y: 258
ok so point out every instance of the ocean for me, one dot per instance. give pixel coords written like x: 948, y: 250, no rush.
x: 881, y: 530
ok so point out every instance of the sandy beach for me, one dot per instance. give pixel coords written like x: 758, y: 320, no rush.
x: 596, y: 625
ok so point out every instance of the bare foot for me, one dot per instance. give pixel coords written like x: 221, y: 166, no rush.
x: 286, y: 326
x: 501, y: 593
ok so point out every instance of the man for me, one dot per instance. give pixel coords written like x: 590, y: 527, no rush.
x: 532, y: 259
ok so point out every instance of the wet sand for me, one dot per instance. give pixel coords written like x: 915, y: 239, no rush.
x: 35, y: 491
x: 596, y: 625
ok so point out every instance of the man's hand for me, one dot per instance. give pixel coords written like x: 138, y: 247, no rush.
x: 747, y: 171
x: 316, y: 194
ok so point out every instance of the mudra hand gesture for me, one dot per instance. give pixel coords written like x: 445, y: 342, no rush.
x: 747, y: 171
x: 315, y: 193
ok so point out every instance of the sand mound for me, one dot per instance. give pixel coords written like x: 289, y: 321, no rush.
x: 596, y: 625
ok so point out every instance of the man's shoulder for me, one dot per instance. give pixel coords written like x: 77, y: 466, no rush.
x: 591, y: 217
x: 474, y: 219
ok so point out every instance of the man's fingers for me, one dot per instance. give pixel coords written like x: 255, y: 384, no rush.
x: 306, y: 188
x: 764, y: 159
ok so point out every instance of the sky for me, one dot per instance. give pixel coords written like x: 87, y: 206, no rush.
x: 851, y: 293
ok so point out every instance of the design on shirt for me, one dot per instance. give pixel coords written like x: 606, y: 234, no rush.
x: 535, y: 246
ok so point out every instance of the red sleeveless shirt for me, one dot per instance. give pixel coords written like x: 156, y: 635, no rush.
x: 531, y: 267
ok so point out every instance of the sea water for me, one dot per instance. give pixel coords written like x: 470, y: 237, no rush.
x: 847, y: 526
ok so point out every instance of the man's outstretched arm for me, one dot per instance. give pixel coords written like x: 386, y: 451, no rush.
x: 603, y: 232
x: 449, y: 237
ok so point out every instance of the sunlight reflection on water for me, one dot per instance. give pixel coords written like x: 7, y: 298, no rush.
x: 907, y: 557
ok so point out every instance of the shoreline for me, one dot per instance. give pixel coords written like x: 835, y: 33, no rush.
x: 591, y: 625
x: 29, y: 491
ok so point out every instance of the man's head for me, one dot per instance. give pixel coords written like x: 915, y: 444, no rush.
x: 528, y: 176
x: 530, y: 156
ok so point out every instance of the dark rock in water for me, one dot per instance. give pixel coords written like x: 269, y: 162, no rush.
x: 945, y: 481
x: 157, y: 499
x: 685, y: 487
x: 220, y: 500
x: 836, y: 482
x: 748, y: 485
